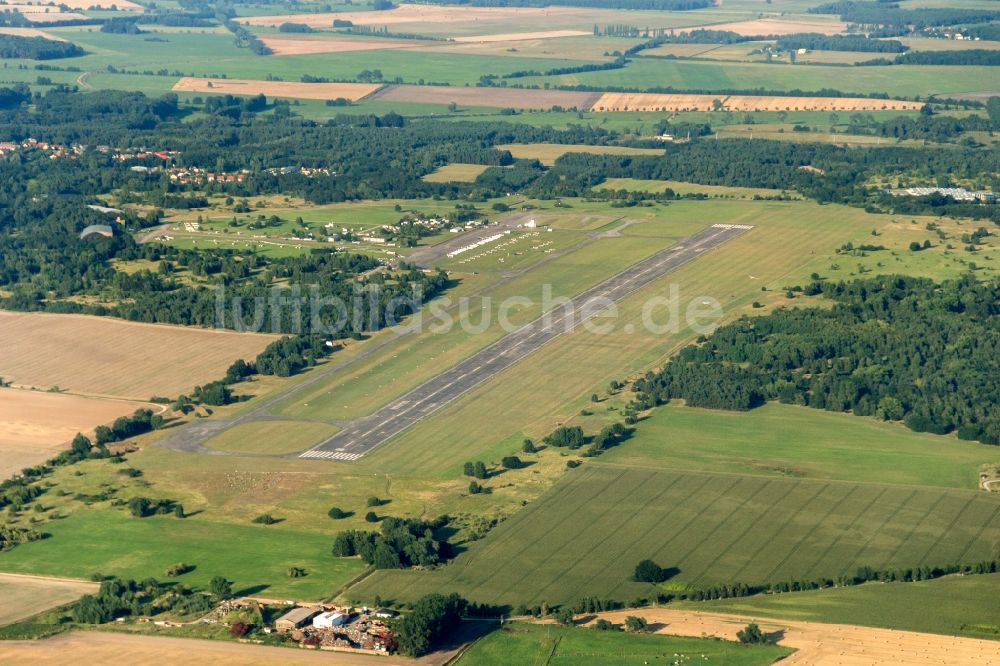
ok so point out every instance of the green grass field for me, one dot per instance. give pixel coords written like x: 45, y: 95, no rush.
x: 797, y: 442
x: 255, y: 557
x: 585, y: 537
x: 520, y: 643
x: 959, y: 605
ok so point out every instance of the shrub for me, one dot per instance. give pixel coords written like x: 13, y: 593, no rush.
x: 752, y: 635
x: 265, y: 519
x: 337, y: 513
x: 649, y: 571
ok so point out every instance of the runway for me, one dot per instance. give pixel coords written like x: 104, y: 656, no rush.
x: 365, y: 434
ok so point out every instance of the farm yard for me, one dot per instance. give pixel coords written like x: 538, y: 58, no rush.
x: 110, y: 357
x: 585, y: 537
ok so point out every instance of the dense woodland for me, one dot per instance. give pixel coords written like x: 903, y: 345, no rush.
x: 820, y: 42
x: 37, y: 48
x: 43, y: 268
x: 896, y: 348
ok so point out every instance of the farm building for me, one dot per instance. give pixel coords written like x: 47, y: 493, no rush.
x: 385, y: 613
x: 330, y: 619
x: 96, y: 230
x: 295, y: 619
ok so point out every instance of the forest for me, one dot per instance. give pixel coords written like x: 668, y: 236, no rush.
x: 37, y: 48
x: 820, y: 42
x: 896, y: 348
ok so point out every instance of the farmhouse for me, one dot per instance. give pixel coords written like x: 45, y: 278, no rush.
x: 295, y: 619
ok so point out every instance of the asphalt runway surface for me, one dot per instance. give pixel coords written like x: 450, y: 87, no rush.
x: 365, y: 434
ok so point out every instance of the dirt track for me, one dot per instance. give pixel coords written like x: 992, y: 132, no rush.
x: 94, y: 647
x: 818, y: 644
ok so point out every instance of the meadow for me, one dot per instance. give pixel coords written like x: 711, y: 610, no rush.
x: 523, y: 643
x: 585, y: 537
x: 91, y: 542
x: 795, y: 442
x: 953, y: 605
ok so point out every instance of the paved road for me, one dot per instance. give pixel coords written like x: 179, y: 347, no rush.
x: 365, y: 434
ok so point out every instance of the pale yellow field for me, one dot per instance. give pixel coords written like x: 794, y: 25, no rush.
x: 456, y: 173
x: 817, y: 643
x: 121, y: 5
x: 660, y: 102
x: 522, y: 36
x: 351, y: 91
x: 776, y: 26
x: 116, y: 358
x: 49, y: 17
x: 37, y: 425
x: 749, y: 103
x: 28, y: 32
x: 282, y: 45
x: 26, y: 596
x: 548, y: 153
x: 654, y: 102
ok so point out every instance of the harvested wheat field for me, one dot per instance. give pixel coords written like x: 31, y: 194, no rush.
x: 53, y: 17
x: 522, y: 36
x: 548, y: 153
x: 37, y: 425
x: 818, y: 644
x: 497, y: 97
x: 456, y: 173
x: 295, y: 90
x: 27, y: 596
x: 750, y: 103
x: 657, y: 102
x: 100, y: 647
x: 433, y: 14
x: 775, y: 26
x: 116, y: 358
x: 284, y: 45
x: 653, y: 102
x: 28, y: 32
